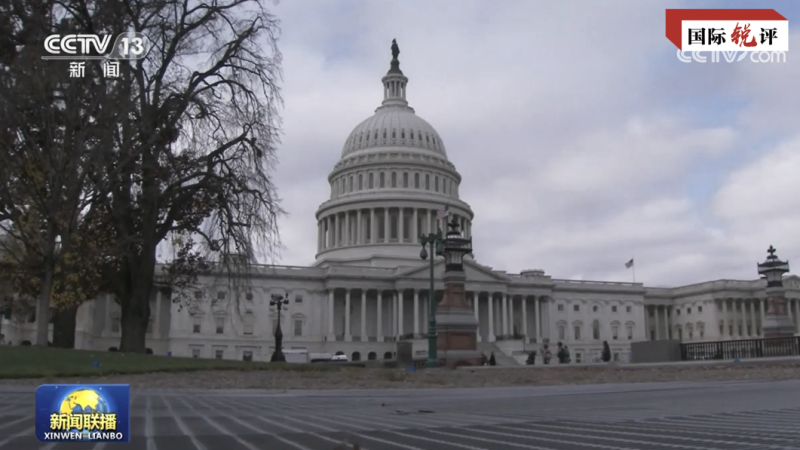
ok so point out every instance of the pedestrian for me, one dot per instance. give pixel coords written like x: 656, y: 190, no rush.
x: 561, y: 353
x: 484, y: 359
x: 492, y: 361
x: 546, y: 354
x: 606, y: 355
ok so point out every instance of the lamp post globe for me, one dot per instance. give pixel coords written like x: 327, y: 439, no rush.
x: 773, y: 269
x: 279, y: 302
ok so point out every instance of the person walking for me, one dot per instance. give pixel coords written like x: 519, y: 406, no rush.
x: 606, y: 355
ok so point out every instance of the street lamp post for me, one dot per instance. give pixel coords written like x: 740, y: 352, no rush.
x: 279, y: 302
x: 777, y: 322
x: 434, y: 240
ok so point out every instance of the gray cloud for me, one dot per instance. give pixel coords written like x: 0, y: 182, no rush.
x: 575, y: 152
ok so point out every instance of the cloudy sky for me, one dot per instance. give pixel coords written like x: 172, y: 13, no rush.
x: 582, y: 140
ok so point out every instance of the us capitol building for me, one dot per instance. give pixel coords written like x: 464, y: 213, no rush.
x: 368, y: 288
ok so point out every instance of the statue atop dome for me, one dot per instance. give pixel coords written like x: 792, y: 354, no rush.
x: 395, y: 65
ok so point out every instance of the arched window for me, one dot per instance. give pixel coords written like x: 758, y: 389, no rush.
x: 436, y: 184
x: 405, y: 179
x: 372, y: 356
x: 248, y: 320
x: 360, y: 182
x: 382, y: 180
x: 596, y: 330
x: 350, y: 184
x: 356, y: 356
x: 370, y: 182
x: 394, y: 179
x: 444, y: 185
x: 416, y: 181
x: 427, y: 182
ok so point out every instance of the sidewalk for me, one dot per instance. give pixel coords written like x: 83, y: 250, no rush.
x: 701, y: 363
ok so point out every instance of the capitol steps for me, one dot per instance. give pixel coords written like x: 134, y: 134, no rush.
x: 502, y: 359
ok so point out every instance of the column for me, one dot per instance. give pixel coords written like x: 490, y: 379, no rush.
x: 364, y: 337
x: 336, y: 230
x: 737, y: 316
x: 510, y: 314
x: 380, y: 316
x: 347, y: 230
x: 401, y: 226
x: 319, y: 236
x: 400, y: 313
x: 524, y: 303
x: 386, y: 224
x: 666, y: 322
x: 504, y: 314
x: 347, y: 336
x: 725, y: 329
x: 373, y: 230
x: 359, y: 228
x: 416, y: 313
x: 415, y: 227
x: 490, y: 302
x: 537, y: 319
x: 331, y: 333
x: 753, y: 329
x: 428, y: 221
x: 761, y: 307
x: 656, y: 323
x: 158, y: 315
x: 475, y: 307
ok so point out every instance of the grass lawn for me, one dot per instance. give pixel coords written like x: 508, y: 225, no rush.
x: 38, y: 362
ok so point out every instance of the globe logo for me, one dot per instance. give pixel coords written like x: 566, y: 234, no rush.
x: 83, y: 403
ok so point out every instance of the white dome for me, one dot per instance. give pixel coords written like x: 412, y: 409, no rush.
x: 394, y: 126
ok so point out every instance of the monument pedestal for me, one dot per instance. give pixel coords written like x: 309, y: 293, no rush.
x: 456, y: 326
x: 777, y: 323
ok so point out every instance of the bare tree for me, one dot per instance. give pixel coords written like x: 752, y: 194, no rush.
x: 192, y: 156
x: 51, y: 127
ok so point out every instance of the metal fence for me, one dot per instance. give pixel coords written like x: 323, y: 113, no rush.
x: 746, y: 348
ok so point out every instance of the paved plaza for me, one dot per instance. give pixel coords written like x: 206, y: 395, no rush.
x: 664, y: 416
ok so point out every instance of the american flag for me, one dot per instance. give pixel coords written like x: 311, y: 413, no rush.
x: 442, y: 213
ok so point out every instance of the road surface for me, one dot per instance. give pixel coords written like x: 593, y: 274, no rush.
x: 655, y: 416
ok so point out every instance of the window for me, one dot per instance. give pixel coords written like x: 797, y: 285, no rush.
x: 576, y: 307
x: 382, y: 180
x: 427, y: 182
x: 195, y: 353
x: 445, y: 182
x: 613, y: 309
x: 370, y: 181
x: 247, y: 355
x: 578, y: 357
x: 360, y: 182
x: 248, y: 297
x: 298, y: 327
x: 247, y: 321
x: 678, y: 312
x: 350, y: 184
x: 561, y: 307
x: 394, y: 179
x: 577, y: 332
x: 652, y: 334
x: 628, y: 309
x: 416, y: 181
x: 196, y: 322
x: 298, y: 299
x: 115, y: 324
x: 721, y: 328
x: 699, y: 309
x: 596, y: 330
x: 218, y: 354
x: 594, y: 308
x: 405, y: 178
x: 436, y: 184
x: 615, y: 332
x: 220, y: 296
x: 220, y: 323
x: 688, y: 310
x: 562, y: 331
x: 198, y: 295
x: 629, y: 330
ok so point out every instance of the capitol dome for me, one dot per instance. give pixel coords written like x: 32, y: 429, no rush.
x: 391, y: 185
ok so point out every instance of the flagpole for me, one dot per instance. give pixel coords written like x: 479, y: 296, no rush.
x: 633, y: 266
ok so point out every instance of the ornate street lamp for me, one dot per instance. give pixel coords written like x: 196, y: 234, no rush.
x: 279, y: 302
x: 777, y: 322
x: 434, y: 240
x: 773, y: 269
x: 456, y: 247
